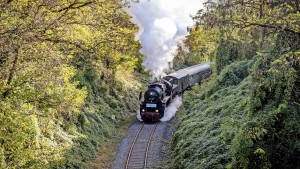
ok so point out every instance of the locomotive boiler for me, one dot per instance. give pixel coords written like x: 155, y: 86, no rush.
x: 160, y: 93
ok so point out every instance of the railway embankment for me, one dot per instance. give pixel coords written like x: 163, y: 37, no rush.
x: 236, y: 120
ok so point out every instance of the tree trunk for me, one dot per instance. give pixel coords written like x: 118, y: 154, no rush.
x: 12, y: 71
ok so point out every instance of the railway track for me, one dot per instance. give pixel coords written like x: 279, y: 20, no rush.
x: 138, y: 153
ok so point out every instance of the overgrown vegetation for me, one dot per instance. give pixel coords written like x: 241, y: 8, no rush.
x: 247, y: 115
x: 212, y: 119
x: 66, y: 67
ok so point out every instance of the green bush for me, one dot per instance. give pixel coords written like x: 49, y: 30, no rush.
x: 239, y: 120
x: 94, y: 124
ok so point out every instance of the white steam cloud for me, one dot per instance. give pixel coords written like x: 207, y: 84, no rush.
x: 163, y: 24
x: 138, y: 115
x: 171, y: 110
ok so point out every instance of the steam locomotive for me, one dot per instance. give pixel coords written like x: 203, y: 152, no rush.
x: 160, y: 93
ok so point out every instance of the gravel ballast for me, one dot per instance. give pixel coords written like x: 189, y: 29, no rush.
x: 159, y: 152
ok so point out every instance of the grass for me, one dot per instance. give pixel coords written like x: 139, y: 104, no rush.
x: 108, y: 150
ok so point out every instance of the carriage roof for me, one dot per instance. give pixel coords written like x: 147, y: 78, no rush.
x: 189, y: 70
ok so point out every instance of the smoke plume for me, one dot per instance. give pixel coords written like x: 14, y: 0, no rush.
x: 171, y: 110
x: 138, y: 115
x: 163, y: 24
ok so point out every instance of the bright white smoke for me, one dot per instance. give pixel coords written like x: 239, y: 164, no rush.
x: 171, y: 110
x: 138, y: 115
x: 163, y: 24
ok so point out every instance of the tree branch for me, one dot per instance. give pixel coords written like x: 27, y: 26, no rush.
x: 12, y: 71
x: 246, y: 24
x: 62, y: 41
x: 74, y: 6
x: 272, y: 26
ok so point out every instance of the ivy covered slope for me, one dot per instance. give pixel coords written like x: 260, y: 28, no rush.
x: 224, y: 127
x: 66, y: 67
x: 247, y: 115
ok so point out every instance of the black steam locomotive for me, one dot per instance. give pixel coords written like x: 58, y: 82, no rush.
x: 161, y: 93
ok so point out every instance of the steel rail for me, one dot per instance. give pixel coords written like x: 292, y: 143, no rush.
x: 130, y: 151
x: 139, y: 136
x: 148, y: 145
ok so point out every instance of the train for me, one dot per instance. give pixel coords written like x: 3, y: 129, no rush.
x: 161, y: 93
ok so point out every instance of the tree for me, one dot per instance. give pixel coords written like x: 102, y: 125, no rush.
x: 262, y: 131
x: 44, y: 44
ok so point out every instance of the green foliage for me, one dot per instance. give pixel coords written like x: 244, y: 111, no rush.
x: 212, y: 120
x: 221, y: 129
x: 199, y: 46
x: 274, y: 106
x: 247, y: 116
x: 228, y: 52
x: 107, y: 96
x: 31, y: 117
x: 234, y: 30
x: 61, y: 64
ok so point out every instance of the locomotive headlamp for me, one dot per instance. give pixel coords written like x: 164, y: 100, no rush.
x: 156, y: 111
x: 143, y: 110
